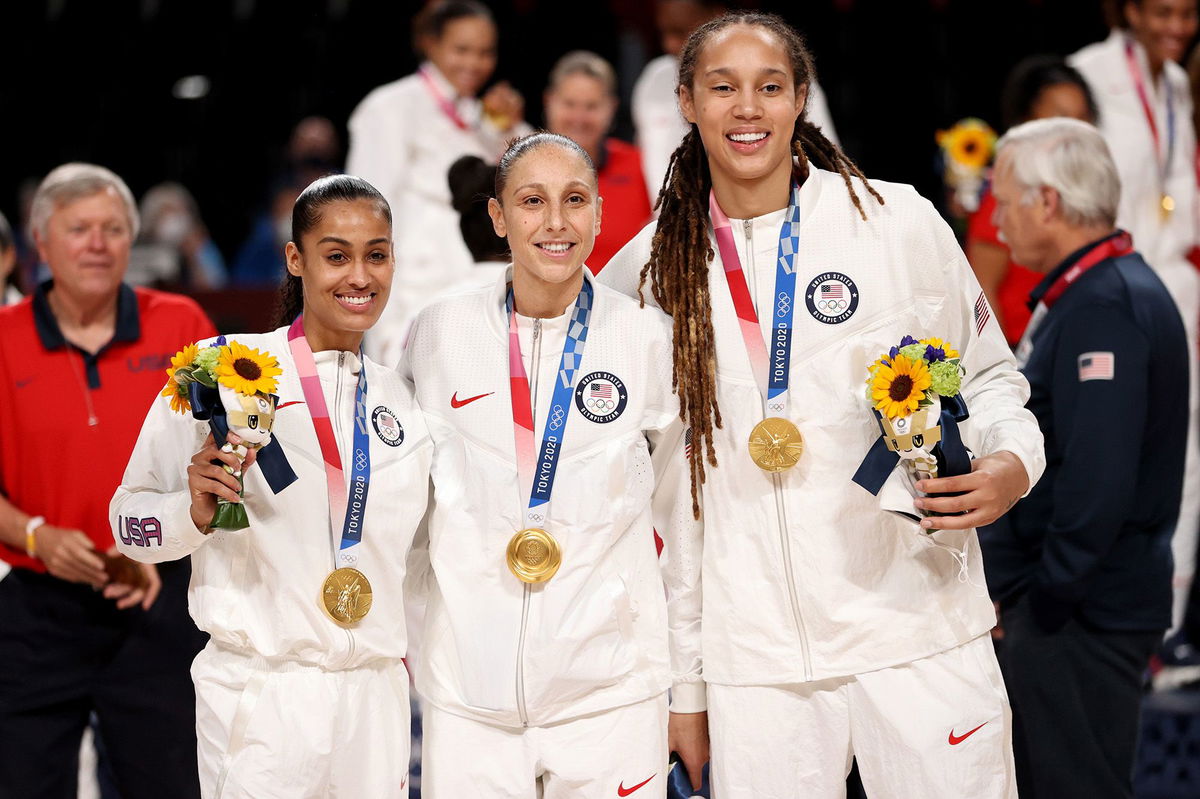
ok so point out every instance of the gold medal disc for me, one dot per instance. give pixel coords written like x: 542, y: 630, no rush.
x: 1168, y: 204
x: 534, y: 556
x: 346, y: 595
x: 775, y: 444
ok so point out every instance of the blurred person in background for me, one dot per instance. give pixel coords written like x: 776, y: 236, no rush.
x: 1037, y: 88
x: 656, y: 119
x: 1082, y: 567
x: 581, y: 102
x: 405, y: 135
x: 10, y: 290
x: 174, y: 248
x: 83, y: 628
x: 1145, y: 107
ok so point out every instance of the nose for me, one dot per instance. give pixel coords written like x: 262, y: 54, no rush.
x: 360, y: 274
x: 555, y: 219
x: 95, y: 240
x: 749, y: 105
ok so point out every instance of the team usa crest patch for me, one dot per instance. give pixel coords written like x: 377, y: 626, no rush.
x: 601, y: 397
x: 387, y: 426
x: 831, y: 298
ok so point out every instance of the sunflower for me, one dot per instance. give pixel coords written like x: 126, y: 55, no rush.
x: 898, y: 389
x: 969, y: 143
x: 941, y: 344
x: 176, y: 390
x: 247, y: 371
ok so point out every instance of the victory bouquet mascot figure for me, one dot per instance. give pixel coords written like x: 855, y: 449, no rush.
x: 914, y: 393
x: 232, y: 387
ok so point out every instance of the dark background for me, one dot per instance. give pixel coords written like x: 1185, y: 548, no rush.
x: 92, y: 79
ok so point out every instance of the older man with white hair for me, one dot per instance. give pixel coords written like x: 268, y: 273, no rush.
x: 1082, y: 566
x: 82, y: 628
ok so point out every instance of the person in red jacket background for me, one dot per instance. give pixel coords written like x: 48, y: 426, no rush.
x: 581, y: 101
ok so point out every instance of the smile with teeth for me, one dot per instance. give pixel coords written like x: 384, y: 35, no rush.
x: 555, y: 247
x: 747, y: 137
x: 355, y: 299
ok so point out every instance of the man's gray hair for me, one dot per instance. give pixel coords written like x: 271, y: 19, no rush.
x: 75, y: 181
x: 584, y: 62
x: 1070, y: 157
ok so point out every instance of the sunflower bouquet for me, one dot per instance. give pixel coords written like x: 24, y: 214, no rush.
x: 966, y: 151
x: 914, y: 389
x: 232, y: 387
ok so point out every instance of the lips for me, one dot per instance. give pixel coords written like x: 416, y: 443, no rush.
x: 356, y: 302
x: 747, y: 140
x: 555, y: 249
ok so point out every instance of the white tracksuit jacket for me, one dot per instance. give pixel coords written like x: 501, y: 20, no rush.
x: 807, y: 578
x: 258, y: 589
x: 595, y: 636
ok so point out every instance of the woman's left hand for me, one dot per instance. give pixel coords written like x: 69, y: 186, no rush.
x: 687, y: 735
x: 994, y: 485
x: 504, y: 105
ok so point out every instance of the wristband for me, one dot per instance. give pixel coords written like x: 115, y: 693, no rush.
x: 31, y: 527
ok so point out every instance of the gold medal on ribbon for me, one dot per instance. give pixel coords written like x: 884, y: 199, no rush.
x: 1167, y: 204
x: 534, y: 556
x: 775, y: 444
x: 346, y: 595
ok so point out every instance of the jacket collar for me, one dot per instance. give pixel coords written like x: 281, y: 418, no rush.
x: 128, y: 327
x: 497, y: 317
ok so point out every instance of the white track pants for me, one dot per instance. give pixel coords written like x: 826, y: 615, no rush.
x: 294, y: 731
x: 937, y: 727
x: 620, y: 752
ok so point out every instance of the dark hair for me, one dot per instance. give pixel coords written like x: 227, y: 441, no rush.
x: 471, y: 180
x: 306, y: 214
x: 680, y: 251
x: 432, y: 20
x: 1029, y: 78
x: 7, y: 242
x: 520, y: 147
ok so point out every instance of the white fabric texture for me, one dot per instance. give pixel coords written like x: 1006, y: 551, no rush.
x: 592, y: 757
x: 285, y: 730
x: 784, y: 741
x: 1163, y: 241
x: 258, y: 589
x: 600, y: 633
x: 806, y: 577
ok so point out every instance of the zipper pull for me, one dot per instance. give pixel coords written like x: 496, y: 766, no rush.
x: 748, y: 226
x: 537, y: 329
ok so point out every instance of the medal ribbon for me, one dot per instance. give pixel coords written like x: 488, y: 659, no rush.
x: 350, y: 510
x: 1135, y: 71
x: 442, y: 100
x: 772, y: 370
x: 539, y: 473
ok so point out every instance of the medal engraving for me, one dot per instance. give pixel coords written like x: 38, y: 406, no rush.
x: 775, y: 444
x: 533, y: 556
x: 346, y: 595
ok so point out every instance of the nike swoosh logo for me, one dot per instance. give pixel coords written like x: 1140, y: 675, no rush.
x: 455, y: 402
x: 955, y: 740
x: 623, y: 791
x: 25, y: 382
x: 285, y: 404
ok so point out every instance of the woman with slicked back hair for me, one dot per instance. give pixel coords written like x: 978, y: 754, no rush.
x: 837, y: 622
x: 301, y: 691
x: 559, y: 462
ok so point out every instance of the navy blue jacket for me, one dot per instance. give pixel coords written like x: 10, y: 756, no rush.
x: 1093, y: 538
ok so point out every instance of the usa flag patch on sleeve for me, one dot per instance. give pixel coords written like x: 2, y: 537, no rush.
x: 1096, y: 366
x: 982, y: 313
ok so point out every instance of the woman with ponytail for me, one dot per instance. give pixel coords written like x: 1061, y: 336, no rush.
x: 832, y: 628
x: 301, y: 691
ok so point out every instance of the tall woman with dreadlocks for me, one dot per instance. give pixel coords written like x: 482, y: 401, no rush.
x: 832, y: 628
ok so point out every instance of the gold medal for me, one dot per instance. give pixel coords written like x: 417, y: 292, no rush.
x: 534, y: 556
x: 1167, y: 203
x: 775, y: 444
x: 346, y: 595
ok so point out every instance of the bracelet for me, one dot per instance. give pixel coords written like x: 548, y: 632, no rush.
x: 31, y: 527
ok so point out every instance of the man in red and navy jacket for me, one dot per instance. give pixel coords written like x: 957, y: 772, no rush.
x: 1082, y: 566
x: 83, y: 629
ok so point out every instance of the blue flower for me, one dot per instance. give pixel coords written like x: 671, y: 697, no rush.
x: 904, y: 342
x: 893, y: 352
x: 934, y: 354
x: 219, y: 342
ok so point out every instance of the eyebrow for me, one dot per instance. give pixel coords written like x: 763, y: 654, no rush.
x: 344, y: 243
x: 728, y: 71
x: 542, y: 186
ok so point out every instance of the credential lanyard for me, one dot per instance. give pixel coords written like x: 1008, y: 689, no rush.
x: 349, y: 510
x: 1139, y: 83
x: 442, y: 100
x: 539, y: 473
x: 771, y: 370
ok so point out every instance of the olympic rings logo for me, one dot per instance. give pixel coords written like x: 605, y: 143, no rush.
x: 784, y: 305
x: 833, y: 306
x: 360, y: 459
x: 537, y: 518
x: 556, y: 417
x: 349, y: 558
x: 600, y: 405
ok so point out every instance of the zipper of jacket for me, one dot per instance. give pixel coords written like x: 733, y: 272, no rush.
x: 535, y: 358
x: 339, y: 419
x: 780, y: 510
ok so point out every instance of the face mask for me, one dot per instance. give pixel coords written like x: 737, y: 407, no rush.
x: 172, y: 229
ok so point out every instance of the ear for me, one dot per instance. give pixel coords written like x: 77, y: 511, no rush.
x: 599, y: 212
x: 687, y: 105
x: 801, y: 100
x: 1051, y: 203
x: 291, y: 255
x: 497, y: 215
x: 1133, y: 14
x: 41, y: 246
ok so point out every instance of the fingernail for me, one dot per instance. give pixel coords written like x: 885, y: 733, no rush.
x: 920, y: 503
x: 238, y: 473
x: 227, y: 448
